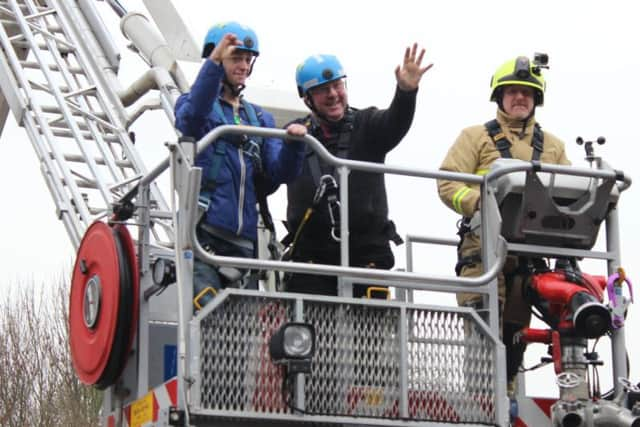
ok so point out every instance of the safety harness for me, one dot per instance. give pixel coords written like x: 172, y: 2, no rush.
x: 325, y: 178
x: 251, y: 147
x: 503, y: 145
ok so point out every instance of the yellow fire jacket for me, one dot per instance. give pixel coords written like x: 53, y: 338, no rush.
x: 474, y: 151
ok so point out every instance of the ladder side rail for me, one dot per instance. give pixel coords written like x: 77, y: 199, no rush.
x: 10, y: 97
x: 65, y: 207
x: 18, y: 105
x: 57, y: 93
x: 47, y: 136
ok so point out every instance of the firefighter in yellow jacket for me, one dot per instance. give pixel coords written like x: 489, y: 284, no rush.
x: 518, y: 88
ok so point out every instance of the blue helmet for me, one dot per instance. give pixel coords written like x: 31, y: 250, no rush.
x: 245, y: 34
x: 317, y: 70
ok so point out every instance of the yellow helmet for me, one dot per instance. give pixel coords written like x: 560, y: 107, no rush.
x: 519, y: 71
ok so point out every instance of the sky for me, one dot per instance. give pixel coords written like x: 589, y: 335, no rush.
x: 592, y: 91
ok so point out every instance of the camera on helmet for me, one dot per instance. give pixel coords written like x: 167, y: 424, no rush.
x: 540, y: 60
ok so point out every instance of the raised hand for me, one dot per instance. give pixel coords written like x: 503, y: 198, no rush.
x: 225, y: 48
x: 409, y: 74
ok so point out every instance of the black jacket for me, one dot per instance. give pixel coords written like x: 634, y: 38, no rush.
x: 373, y: 134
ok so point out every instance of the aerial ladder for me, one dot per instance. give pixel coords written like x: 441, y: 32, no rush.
x: 267, y: 357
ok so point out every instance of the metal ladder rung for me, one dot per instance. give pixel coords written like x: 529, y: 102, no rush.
x: 87, y: 182
x: 41, y: 46
x: 45, y: 88
x: 49, y: 34
x: 81, y: 183
x: 99, y: 160
x: 84, y: 91
x: 93, y: 117
x: 52, y: 109
x: 93, y: 185
x: 53, y: 28
x: 108, y: 128
x: 45, y: 12
x: 58, y: 124
x: 52, y: 67
x: 6, y: 22
x: 17, y: 39
x: 85, y: 135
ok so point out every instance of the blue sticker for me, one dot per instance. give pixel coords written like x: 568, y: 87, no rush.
x: 170, y: 361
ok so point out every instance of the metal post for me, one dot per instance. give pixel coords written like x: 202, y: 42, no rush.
x: 345, y: 288
x: 403, y: 337
x: 143, y: 260
x: 184, y: 270
x: 618, y: 341
x: 299, y: 389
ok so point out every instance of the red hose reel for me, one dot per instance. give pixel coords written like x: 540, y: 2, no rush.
x: 103, y: 307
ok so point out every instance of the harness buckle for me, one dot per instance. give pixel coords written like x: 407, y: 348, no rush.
x: 252, y: 149
x: 326, y: 187
x: 203, y: 206
x: 333, y: 204
x: 498, y: 136
x: 334, y: 212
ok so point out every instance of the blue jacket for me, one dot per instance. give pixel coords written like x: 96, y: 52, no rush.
x: 233, y: 198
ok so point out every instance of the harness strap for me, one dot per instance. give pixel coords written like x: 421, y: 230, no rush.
x: 342, y: 147
x: 212, y: 172
x: 504, y: 146
x: 499, y: 138
x: 326, y: 178
x: 253, y: 147
x: 537, y: 142
x: 219, y: 150
x: 467, y: 260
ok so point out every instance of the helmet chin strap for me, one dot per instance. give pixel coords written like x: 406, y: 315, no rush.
x: 235, y: 91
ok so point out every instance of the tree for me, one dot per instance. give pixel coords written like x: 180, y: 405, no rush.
x: 38, y: 385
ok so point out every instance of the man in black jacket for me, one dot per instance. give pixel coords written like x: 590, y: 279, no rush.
x: 366, y: 135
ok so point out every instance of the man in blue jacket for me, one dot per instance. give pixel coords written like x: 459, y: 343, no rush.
x: 231, y: 164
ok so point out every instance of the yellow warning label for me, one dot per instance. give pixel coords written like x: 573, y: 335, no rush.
x: 142, y: 411
x: 374, y: 396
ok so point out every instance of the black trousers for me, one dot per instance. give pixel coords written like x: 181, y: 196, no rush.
x: 370, y: 256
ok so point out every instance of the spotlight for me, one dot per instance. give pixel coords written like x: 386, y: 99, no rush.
x: 293, y: 345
